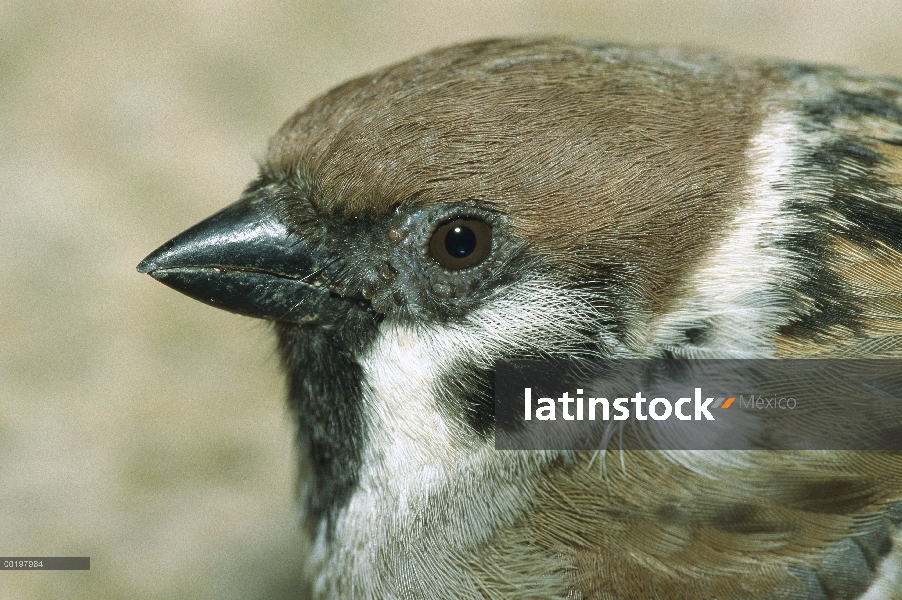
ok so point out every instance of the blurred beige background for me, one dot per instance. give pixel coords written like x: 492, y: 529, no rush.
x: 143, y: 429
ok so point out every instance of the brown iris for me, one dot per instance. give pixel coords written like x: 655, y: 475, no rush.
x: 461, y: 243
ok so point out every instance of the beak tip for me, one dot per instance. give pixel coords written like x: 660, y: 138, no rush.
x: 150, y: 263
x: 166, y: 256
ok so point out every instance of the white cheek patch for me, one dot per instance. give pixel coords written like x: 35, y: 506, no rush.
x: 738, y: 297
x: 413, y: 447
x: 403, y: 370
x: 405, y: 367
x: 422, y: 478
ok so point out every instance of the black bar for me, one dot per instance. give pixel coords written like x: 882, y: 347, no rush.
x: 699, y: 404
x: 45, y: 563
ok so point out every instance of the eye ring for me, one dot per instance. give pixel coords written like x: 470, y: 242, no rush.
x: 461, y: 243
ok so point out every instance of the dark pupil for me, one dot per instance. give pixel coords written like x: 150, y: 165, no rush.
x: 460, y: 241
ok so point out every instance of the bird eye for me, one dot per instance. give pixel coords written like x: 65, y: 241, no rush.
x: 461, y: 243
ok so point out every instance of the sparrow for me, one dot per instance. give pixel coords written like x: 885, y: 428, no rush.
x: 557, y: 198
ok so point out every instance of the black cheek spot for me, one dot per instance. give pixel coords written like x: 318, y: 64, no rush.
x: 471, y: 398
x: 697, y: 335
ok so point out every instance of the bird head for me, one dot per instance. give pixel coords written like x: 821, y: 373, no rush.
x: 503, y: 199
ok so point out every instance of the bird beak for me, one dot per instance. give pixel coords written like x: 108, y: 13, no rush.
x: 242, y: 259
